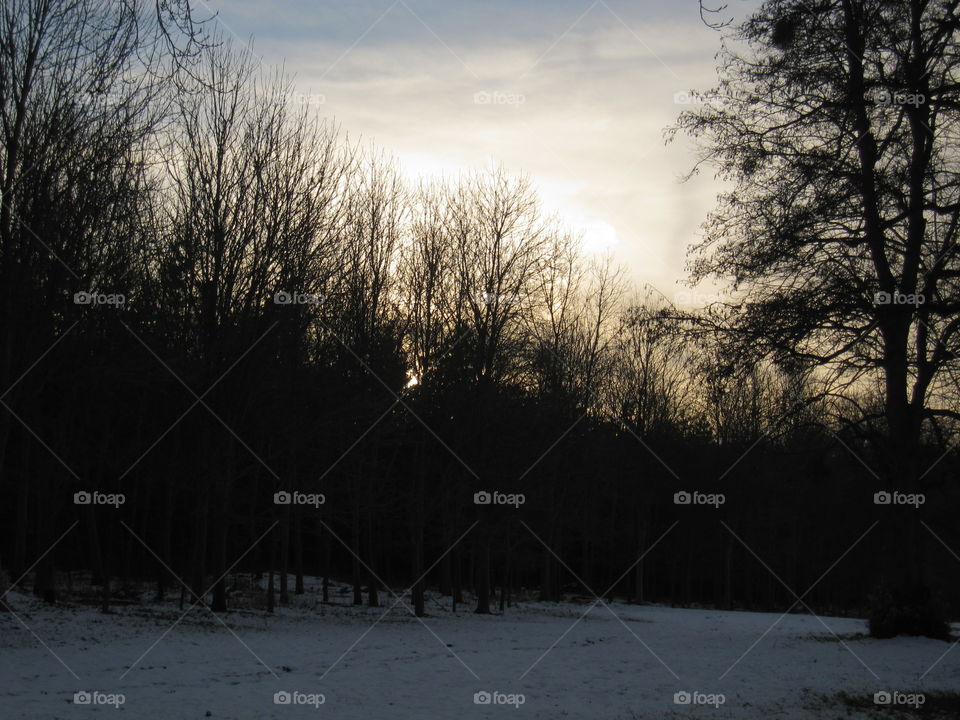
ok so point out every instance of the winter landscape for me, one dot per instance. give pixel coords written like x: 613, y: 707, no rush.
x: 544, y: 660
x: 586, y: 359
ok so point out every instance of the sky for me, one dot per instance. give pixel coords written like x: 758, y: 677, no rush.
x: 576, y: 94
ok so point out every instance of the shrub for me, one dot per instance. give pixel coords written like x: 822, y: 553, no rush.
x: 907, y: 610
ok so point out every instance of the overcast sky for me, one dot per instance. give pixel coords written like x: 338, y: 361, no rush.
x: 576, y: 94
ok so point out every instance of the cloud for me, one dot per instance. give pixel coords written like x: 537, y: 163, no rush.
x: 578, y: 100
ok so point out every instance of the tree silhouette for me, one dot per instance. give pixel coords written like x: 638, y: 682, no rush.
x: 835, y: 125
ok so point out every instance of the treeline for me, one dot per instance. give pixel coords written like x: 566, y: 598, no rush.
x: 235, y: 341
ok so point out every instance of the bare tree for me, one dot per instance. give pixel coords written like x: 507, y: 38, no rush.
x: 81, y: 93
x: 837, y: 128
x: 252, y: 181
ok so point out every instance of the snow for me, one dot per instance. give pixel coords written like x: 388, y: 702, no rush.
x: 621, y: 663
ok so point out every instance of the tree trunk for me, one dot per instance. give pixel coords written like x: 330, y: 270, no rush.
x: 285, y: 555
x: 355, y: 540
x: 483, y: 575
x: 325, y: 551
x: 220, y: 522
x: 418, y: 520
x: 298, y: 552
x: 166, y: 533
x: 373, y: 597
x: 97, y: 552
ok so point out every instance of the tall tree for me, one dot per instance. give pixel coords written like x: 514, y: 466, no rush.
x: 835, y: 122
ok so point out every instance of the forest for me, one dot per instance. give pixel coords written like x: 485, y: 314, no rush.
x: 240, y: 344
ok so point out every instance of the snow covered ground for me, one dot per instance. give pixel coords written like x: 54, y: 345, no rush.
x: 536, y: 661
